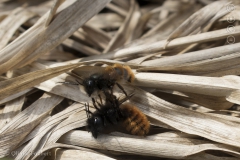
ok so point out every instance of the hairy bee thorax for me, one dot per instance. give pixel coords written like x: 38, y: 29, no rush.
x: 118, y: 72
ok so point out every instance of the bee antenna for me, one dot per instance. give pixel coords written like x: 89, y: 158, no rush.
x: 80, y: 78
x: 79, y: 82
x: 72, y: 83
x: 87, y: 110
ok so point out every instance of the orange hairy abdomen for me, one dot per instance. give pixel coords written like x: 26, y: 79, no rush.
x: 135, y: 121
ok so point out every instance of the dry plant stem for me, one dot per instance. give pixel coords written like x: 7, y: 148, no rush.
x: 214, y: 67
x: 54, y: 120
x: 198, y: 19
x: 138, y: 146
x: 63, y: 154
x: 106, y: 20
x: 214, y: 86
x: 68, y: 124
x: 97, y: 35
x: 46, y: 39
x: 124, y: 32
x: 48, y: 128
x: 159, y: 46
x: 123, y: 4
x: 9, y: 140
x: 11, y: 23
x: 117, y: 9
x: 8, y: 87
x: 74, y: 121
x: 53, y: 11
x: 60, y: 145
x: 211, y: 102
x: 202, y: 156
x: 11, y: 109
x: 194, y: 56
x: 14, y: 96
x: 27, y: 119
x: 40, y: 107
x: 159, y: 25
x: 81, y: 47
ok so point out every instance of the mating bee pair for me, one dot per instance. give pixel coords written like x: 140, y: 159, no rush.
x: 113, y: 111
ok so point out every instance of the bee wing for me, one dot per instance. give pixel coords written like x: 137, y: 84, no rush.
x: 86, y: 71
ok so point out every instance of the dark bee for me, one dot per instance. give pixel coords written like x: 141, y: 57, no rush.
x: 105, y: 114
x: 106, y: 79
x: 113, y: 112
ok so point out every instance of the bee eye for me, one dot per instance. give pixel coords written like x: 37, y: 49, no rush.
x: 97, y: 121
x: 90, y: 83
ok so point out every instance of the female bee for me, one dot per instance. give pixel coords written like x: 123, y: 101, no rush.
x: 113, y: 112
x: 105, y: 114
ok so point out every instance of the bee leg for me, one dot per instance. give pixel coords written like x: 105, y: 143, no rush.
x: 100, y: 98
x: 125, y: 99
x: 72, y: 83
x: 120, y: 87
x: 94, y: 104
x: 115, y: 101
x: 104, y: 121
x: 99, y: 104
x: 87, y: 110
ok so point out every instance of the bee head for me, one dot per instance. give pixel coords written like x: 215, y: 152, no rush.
x: 89, y: 85
x: 95, y: 125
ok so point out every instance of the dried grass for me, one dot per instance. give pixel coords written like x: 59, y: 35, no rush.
x: 185, y: 56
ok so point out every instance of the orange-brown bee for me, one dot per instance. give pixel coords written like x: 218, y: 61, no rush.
x: 135, y: 121
x: 106, y: 80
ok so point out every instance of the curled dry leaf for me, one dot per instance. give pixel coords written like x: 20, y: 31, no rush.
x: 11, y: 109
x: 28, y: 80
x: 11, y: 23
x: 29, y: 48
x: 124, y: 33
x: 150, y: 148
x: 199, y: 18
x: 37, y: 135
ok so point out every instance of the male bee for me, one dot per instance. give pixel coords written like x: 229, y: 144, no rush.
x: 113, y: 112
x: 106, y: 79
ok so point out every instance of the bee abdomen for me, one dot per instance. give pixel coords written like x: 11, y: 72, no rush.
x: 136, y: 122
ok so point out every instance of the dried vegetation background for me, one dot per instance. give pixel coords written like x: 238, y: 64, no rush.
x: 185, y: 54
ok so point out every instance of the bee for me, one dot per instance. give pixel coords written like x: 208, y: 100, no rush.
x: 106, y: 79
x: 113, y: 112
